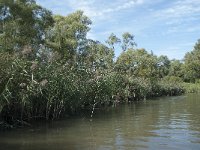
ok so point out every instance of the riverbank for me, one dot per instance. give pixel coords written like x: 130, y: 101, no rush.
x: 36, y: 91
x: 67, y: 93
x: 154, y: 124
x: 52, y: 69
x: 163, y: 88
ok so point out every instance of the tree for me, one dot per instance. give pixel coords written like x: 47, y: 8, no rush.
x: 23, y: 25
x: 138, y: 63
x: 68, y: 36
x: 176, y: 68
x: 97, y: 56
x: 192, y: 64
x: 163, y: 65
x: 112, y: 40
x: 127, y: 41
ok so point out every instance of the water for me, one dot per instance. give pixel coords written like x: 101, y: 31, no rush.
x: 163, y: 123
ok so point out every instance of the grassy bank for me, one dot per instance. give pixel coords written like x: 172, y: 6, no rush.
x: 49, y: 68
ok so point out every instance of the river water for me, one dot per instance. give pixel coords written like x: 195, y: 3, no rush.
x: 167, y: 123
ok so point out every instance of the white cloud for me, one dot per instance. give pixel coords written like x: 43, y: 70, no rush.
x: 179, y: 9
x: 97, y: 8
x: 178, y: 16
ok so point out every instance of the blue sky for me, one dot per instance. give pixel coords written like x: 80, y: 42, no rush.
x: 166, y: 27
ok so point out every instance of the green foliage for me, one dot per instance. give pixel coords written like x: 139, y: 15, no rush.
x: 23, y: 24
x: 51, y: 91
x: 97, y: 57
x: 18, y: 91
x: 127, y: 41
x: 113, y: 39
x: 137, y: 88
x: 5, y: 62
x: 68, y: 35
x: 192, y: 65
x: 163, y: 65
x: 191, y: 87
x: 171, y: 85
x: 176, y: 68
x: 137, y: 63
x: 49, y: 68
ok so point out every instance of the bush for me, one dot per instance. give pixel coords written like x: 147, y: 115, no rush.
x: 191, y: 87
x: 171, y: 85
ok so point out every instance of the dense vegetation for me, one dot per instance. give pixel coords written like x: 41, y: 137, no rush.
x: 49, y: 68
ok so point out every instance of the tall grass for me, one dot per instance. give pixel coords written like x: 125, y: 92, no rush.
x: 35, y: 90
x: 50, y: 90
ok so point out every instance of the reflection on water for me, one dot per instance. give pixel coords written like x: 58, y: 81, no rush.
x: 164, y: 123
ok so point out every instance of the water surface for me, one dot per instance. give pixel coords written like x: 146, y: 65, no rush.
x: 162, y: 123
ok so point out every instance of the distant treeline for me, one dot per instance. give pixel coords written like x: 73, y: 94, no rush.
x: 49, y: 68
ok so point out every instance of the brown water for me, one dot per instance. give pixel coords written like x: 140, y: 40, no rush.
x: 158, y: 124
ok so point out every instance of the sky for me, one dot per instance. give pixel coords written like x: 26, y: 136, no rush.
x: 166, y: 27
